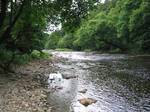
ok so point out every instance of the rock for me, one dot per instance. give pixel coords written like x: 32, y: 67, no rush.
x: 54, y: 77
x: 87, y: 101
x: 70, y: 77
x: 43, y: 96
x: 47, y: 90
x: 83, y: 91
x: 58, y: 87
x: 49, y: 110
x: 27, y: 89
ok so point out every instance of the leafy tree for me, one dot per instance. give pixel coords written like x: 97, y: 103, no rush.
x: 53, y: 39
x: 22, y: 22
x: 139, y: 26
x: 66, y: 41
x: 122, y: 24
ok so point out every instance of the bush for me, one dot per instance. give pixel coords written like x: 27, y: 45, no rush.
x: 66, y: 41
x: 37, y: 55
x: 9, y: 57
x: 53, y: 39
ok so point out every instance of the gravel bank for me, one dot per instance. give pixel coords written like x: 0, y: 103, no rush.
x: 26, y: 91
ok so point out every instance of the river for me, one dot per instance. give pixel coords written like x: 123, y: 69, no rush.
x: 119, y: 83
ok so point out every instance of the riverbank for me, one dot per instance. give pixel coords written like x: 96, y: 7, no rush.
x: 26, y: 90
x: 133, y: 53
x: 115, y: 82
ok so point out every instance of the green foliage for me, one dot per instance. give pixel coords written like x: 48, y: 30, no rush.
x: 63, y: 49
x: 139, y: 26
x: 66, y: 41
x: 37, y: 55
x: 22, y: 59
x: 60, y: 40
x: 6, y: 56
x: 116, y: 25
x: 23, y: 22
x: 53, y: 40
x: 92, y: 34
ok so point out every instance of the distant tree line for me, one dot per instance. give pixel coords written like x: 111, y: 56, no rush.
x: 116, y: 25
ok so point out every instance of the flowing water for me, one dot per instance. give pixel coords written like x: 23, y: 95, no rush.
x: 119, y: 83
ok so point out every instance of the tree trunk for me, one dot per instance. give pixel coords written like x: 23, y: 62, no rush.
x: 3, y: 9
x: 7, y: 33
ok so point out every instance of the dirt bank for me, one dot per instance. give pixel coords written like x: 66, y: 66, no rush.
x: 26, y: 90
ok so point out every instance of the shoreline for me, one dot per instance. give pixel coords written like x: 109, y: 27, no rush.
x: 27, y: 89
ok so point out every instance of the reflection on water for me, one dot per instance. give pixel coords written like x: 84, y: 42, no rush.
x: 119, y: 83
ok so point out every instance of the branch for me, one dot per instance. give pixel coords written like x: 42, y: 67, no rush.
x: 18, y: 14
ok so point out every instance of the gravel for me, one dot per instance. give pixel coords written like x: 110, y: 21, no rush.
x: 26, y: 90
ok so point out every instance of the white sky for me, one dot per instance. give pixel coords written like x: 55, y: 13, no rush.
x: 102, y: 1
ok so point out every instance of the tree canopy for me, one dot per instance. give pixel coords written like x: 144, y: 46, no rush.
x: 121, y: 25
x: 115, y: 25
x: 23, y: 22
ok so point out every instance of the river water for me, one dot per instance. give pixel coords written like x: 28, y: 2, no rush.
x: 119, y: 83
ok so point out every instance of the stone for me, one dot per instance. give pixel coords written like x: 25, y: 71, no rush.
x: 70, y: 77
x: 83, y: 91
x: 58, y: 87
x: 87, y: 101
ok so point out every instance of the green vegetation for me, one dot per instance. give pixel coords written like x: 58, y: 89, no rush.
x: 9, y: 57
x: 115, y: 26
x: 63, y: 49
x: 23, y: 23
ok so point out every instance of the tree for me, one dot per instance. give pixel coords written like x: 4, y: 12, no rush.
x: 22, y: 22
x: 53, y: 40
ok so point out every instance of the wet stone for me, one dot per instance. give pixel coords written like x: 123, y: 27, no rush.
x: 87, y: 101
x: 70, y: 77
x: 83, y: 91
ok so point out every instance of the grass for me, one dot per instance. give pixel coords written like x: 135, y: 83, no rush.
x: 63, y: 49
x: 37, y: 55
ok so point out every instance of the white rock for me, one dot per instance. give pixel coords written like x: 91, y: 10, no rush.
x: 54, y: 77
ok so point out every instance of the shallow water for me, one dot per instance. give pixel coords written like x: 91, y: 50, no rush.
x: 119, y: 83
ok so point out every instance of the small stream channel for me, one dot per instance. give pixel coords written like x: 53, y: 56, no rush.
x: 119, y: 83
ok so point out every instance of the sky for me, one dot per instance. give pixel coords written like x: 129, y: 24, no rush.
x: 102, y: 1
